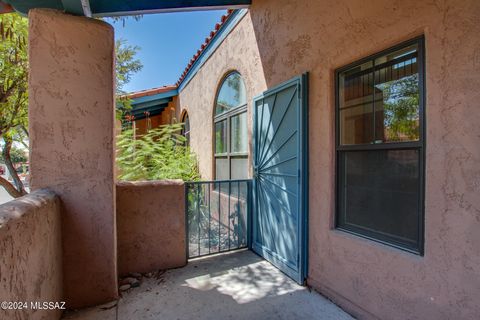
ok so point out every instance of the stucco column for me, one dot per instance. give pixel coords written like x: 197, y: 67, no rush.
x: 71, y: 114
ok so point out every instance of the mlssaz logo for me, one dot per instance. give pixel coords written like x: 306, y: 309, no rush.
x: 37, y: 305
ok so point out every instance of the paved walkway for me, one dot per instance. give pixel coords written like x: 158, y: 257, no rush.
x: 4, y: 196
x: 238, y: 285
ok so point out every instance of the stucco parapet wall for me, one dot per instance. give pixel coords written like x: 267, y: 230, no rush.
x: 31, y: 254
x: 150, y: 225
x: 13, y: 211
x: 148, y: 184
x: 53, y: 12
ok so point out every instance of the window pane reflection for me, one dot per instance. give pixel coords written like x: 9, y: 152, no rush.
x: 379, y: 100
x: 356, y: 105
x: 221, y: 137
x: 239, y: 133
x: 396, y: 77
x: 232, y: 94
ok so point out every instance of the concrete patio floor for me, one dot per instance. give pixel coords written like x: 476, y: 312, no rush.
x: 238, y: 285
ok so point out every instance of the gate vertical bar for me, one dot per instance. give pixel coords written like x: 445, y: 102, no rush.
x: 238, y: 214
x: 219, y: 216
x: 250, y: 208
x: 209, y: 220
x: 187, y: 221
x: 228, y: 216
x: 198, y: 213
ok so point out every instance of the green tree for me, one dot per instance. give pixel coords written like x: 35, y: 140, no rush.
x: 17, y: 156
x: 14, y: 84
x: 13, y: 92
x: 126, y: 65
x: 159, y: 154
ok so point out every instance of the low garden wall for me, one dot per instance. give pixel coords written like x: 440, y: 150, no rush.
x: 150, y: 225
x: 31, y: 256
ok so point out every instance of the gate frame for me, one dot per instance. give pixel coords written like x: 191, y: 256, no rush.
x: 249, y: 214
x: 302, y: 162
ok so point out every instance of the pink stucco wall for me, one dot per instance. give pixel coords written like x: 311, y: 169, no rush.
x: 71, y: 120
x: 150, y: 225
x: 279, y: 39
x: 31, y: 255
x: 238, y: 52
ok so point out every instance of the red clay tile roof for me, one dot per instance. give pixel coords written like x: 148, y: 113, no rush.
x: 204, y: 45
x: 151, y: 92
x: 213, y: 33
x: 5, y: 8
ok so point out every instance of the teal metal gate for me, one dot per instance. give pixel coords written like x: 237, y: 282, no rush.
x: 217, y: 216
x: 280, y: 183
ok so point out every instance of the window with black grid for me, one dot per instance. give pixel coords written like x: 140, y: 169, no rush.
x: 380, y: 146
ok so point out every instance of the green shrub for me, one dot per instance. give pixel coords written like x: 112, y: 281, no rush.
x: 159, y: 154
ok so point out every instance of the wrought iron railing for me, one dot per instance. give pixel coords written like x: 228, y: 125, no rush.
x: 217, y: 215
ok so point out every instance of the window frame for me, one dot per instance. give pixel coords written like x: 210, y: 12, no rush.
x: 227, y: 117
x: 412, y: 145
x: 186, y: 133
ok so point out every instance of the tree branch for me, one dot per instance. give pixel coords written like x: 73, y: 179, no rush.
x: 25, y: 131
x: 10, y: 188
x: 8, y: 162
x: 7, y: 93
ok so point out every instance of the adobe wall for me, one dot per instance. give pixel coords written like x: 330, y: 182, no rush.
x: 169, y: 115
x: 31, y: 255
x: 150, y: 225
x: 71, y: 125
x: 142, y: 125
x: 281, y: 39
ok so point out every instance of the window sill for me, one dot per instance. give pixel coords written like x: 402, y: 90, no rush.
x: 355, y: 236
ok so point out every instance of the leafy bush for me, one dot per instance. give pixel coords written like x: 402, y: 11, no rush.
x: 159, y: 154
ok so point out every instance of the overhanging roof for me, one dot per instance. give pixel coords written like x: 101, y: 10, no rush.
x: 170, y: 90
x: 153, y: 101
x: 106, y: 8
x: 146, y: 97
x: 5, y: 8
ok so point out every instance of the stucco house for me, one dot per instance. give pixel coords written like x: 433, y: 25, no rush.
x: 371, y: 97
x: 353, y: 124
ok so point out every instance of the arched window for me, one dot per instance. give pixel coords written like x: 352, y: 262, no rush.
x: 230, y: 129
x: 186, y: 128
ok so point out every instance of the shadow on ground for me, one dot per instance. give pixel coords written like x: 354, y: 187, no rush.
x: 238, y: 285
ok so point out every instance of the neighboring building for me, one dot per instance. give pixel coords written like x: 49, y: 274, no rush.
x: 152, y: 108
x: 372, y: 153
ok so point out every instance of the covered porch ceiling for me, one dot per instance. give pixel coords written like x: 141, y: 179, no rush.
x: 104, y: 8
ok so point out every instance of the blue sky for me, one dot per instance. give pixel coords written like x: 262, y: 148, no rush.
x: 167, y: 41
